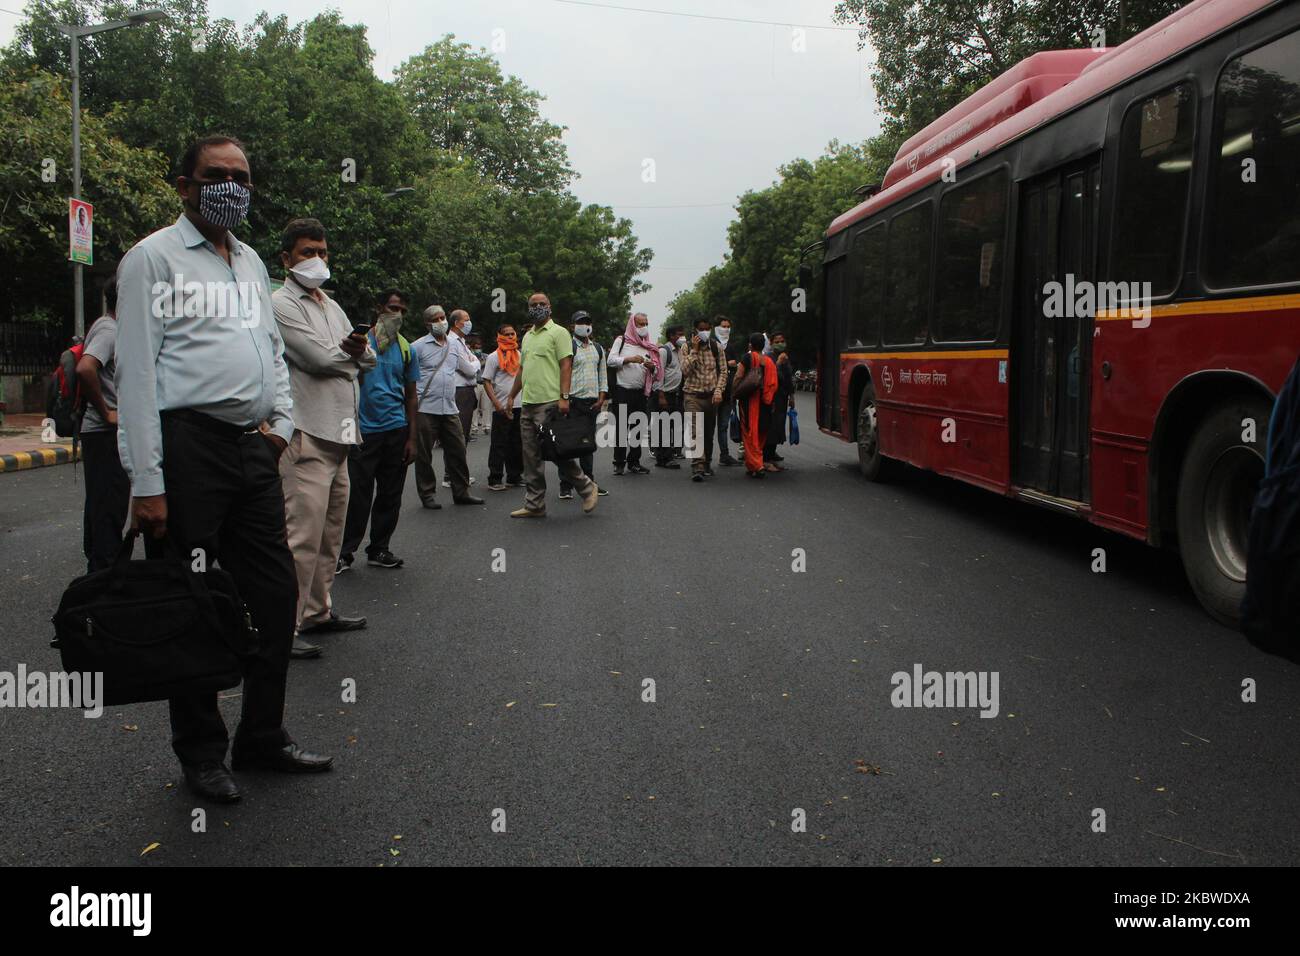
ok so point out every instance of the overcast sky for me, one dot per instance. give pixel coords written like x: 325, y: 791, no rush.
x: 717, y: 105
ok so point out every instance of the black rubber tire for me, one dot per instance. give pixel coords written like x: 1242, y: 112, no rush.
x: 1216, y: 488
x: 873, y: 465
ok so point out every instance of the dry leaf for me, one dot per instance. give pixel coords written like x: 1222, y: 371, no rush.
x: 150, y: 848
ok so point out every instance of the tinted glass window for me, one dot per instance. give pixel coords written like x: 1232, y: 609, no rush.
x: 972, y: 250
x: 1254, y: 224
x: 1155, y: 171
x: 907, y: 277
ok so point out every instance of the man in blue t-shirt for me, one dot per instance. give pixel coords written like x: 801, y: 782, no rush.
x: 387, y: 420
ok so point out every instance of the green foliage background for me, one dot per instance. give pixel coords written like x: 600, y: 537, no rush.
x: 490, y: 207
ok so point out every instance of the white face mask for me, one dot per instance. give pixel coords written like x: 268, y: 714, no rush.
x: 643, y: 330
x: 438, y: 328
x: 703, y: 337
x: 723, y: 335
x: 310, y: 273
x: 681, y: 341
x: 582, y: 331
x: 467, y: 328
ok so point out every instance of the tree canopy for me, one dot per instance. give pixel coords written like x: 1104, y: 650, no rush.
x: 483, y: 176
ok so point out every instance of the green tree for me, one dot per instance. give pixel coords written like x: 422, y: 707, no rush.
x: 123, y: 182
x: 467, y: 108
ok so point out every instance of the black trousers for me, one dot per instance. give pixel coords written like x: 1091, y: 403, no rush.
x: 631, y: 400
x: 506, y: 451
x: 224, y: 496
x: 377, y: 476
x: 108, y: 498
x: 665, y: 455
x: 724, y: 427
x: 466, y: 403
x: 585, y: 462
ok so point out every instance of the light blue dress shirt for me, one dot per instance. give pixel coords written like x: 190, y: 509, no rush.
x: 193, y: 333
x: 439, y: 363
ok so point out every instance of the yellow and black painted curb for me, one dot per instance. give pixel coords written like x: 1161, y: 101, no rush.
x: 39, y: 458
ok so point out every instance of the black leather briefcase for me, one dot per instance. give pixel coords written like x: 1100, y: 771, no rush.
x: 155, y: 629
x: 567, y: 436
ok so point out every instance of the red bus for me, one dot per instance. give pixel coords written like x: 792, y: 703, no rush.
x: 1081, y: 286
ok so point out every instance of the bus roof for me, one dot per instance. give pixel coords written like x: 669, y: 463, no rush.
x: 1037, y: 90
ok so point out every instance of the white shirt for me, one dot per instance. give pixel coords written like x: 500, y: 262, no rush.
x: 502, y: 381
x: 464, y: 359
x: 629, y: 376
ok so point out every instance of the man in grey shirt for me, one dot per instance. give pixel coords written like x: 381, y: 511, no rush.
x: 324, y: 359
x: 200, y: 374
x: 108, y: 491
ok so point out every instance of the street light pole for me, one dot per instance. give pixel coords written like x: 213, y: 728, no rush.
x: 75, y: 32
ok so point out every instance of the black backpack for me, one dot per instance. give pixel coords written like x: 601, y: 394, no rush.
x: 1270, y: 610
x: 64, y: 404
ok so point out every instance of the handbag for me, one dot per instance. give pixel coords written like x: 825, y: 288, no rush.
x: 752, y: 381
x: 733, y: 426
x: 155, y: 629
x: 567, y: 436
x: 794, y: 427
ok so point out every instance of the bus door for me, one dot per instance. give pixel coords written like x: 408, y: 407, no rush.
x: 1052, y: 344
x: 834, y: 312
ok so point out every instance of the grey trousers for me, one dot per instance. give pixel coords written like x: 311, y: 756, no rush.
x: 444, y: 429
x: 534, y: 467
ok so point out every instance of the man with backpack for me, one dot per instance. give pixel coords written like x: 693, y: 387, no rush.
x: 64, y: 404
x: 587, y: 387
x: 704, y: 382
x: 669, y: 391
x: 386, y: 419
x: 108, y: 490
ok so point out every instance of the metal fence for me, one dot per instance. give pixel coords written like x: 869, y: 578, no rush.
x: 29, y: 347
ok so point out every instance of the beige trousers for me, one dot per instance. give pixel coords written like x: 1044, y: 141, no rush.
x: 314, y: 473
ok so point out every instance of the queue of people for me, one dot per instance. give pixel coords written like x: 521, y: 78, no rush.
x: 271, y: 433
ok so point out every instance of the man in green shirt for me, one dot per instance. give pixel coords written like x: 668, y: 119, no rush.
x: 545, y: 367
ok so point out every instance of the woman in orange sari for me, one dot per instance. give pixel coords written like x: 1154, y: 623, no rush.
x: 756, y: 410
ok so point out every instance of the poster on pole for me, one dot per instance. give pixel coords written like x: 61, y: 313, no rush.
x: 81, y: 232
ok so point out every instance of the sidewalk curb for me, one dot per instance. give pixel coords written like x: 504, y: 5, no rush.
x: 37, y: 458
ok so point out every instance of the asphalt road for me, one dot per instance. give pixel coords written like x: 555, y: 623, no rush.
x: 522, y: 692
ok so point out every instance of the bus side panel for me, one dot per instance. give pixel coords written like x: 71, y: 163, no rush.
x: 1257, y: 337
x: 947, y: 413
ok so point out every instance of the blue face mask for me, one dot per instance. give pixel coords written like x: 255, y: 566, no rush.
x: 224, y: 204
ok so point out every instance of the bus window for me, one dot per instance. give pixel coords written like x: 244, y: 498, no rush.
x: 968, y: 279
x: 1155, y: 171
x: 867, y: 263
x: 906, y: 312
x: 1254, y: 222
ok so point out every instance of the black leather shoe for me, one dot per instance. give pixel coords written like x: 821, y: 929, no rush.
x: 618, y: 469
x: 728, y: 461
x: 302, y: 650
x: 667, y: 463
x: 468, y: 500
x: 637, y: 470
x: 287, y: 759
x: 335, y: 623
x: 212, y: 782
x: 433, y: 506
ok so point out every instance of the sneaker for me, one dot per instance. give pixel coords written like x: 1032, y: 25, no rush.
x: 446, y: 483
x: 384, y: 559
x: 601, y: 492
x: 515, y: 484
x: 345, y: 564
x: 708, y: 473
x: 589, y: 499
x: 698, y: 476
x: 637, y: 470
x: 528, y: 513
x: 473, y: 480
x: 566, y: 495
x: 496, y: 486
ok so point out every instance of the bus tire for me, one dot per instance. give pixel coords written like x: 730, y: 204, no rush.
x: 873, y: 465
x: 1216, y: 489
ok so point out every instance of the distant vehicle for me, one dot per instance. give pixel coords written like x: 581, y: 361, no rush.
x: 1080, y: 287
x: 805, y: 380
